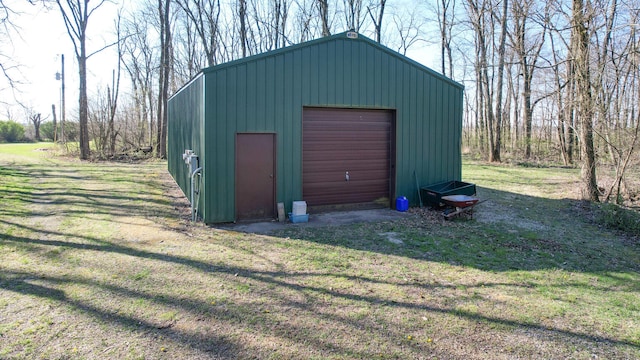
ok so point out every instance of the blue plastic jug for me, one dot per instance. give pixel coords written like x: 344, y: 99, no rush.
x: 402, y: 204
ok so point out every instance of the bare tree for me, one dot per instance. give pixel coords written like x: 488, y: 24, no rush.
x: 242, y: 15
x: 615, y: 86
x: 527, y: 47
x: 55, y: 123
x: 495, y: 151
x: 205, y: 16
x: 513, y: 90
x: 4, y: 36
x: 164, y: 8
x: 112, y: 132
x: 267, y: 28
x: 480, y: 20
x: 604, y: 94
x: 323, y: 11
x: 353, y: 14
x: 304, y: 20
x: 36, y: 120
x: 8, y: 67
x: 281, y: 11
x: 445, y: 11
x: 584, y: 102
x: 113, y: 92
x: 140, y: 62
x: 408, y: 31
x: 76, y: 14
x: 377, y: 20
x: 98, y: 115
x: 189, y: 55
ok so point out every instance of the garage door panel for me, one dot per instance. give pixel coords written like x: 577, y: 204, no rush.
x: 349, y: 127
x: 348, y: 148
x: 373, y: 191
x: 345, y: 125
x: 341, y: 188
x: 346, y: 115
x: 349, y: 144
x: 342, y: 136
x: 348, y: 198
x: 349, y: 165
x: 339, y: 140
x: 344, y: 155
x: 330, y: 137
x: 340, y: 176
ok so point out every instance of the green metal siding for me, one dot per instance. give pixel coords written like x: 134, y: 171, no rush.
x: 186, y: 114
x: 267, y: 93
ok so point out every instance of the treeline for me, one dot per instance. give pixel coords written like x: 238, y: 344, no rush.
x: 552, y: 81
x: 546, y: 81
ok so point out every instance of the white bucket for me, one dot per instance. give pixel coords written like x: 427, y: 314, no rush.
x: 299, y: 208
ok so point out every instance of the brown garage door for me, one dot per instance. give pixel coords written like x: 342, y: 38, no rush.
x: 346, y: 156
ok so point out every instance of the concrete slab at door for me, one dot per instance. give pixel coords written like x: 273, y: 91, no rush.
x: 255, y: 176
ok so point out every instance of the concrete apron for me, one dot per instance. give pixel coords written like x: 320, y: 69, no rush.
x: 318, y: 220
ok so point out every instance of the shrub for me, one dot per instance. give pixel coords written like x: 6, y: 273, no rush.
x: 617, y: 217
x: 70, y: 130
x: 46, y: 131
x: 11, y: 131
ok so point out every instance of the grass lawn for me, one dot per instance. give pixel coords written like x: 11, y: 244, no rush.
x: 99, y: 261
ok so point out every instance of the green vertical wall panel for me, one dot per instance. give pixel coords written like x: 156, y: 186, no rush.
x: 267, y: 93
x: 185, y: 131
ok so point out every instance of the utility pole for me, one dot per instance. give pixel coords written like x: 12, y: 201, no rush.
x: 62, y: 118
x: 60, y: 76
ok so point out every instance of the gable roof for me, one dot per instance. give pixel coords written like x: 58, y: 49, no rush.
x: 352, y: 36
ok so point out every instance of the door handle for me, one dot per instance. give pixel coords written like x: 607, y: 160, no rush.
x: 346, y: 176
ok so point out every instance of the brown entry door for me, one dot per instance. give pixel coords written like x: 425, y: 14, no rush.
x: 255, y: 176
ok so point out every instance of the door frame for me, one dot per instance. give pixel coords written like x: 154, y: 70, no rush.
x: 274, y: 170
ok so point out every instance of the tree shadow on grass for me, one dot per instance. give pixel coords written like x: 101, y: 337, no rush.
x: 239, y: 316
x: 277, y: 281
x: 29, y: 186
x: 425, y: 241
x: 223, y: 347
x: 509, y: 232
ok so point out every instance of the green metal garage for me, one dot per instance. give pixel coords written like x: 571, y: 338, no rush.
x: 341, y: 120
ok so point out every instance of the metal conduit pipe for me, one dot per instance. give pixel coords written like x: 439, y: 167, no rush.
x: 193, y: 209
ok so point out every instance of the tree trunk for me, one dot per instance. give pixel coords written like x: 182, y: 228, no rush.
x: 527, y: 113
x: 515, y: 90
x: 561, y: 104
x: 55, y: 123
x: 165, y: 68
x: 85, y: 152
x: 570, y: 117
x: 76, y: 18
x: 377, y: 24
x: 479, y: 101
x: 488, y: 97
x: 36, y: 120
x: 242, y: 14
x: 580, y: 47
x: 443, y: 22
x: 323, y: 8
x: 495, y: 152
